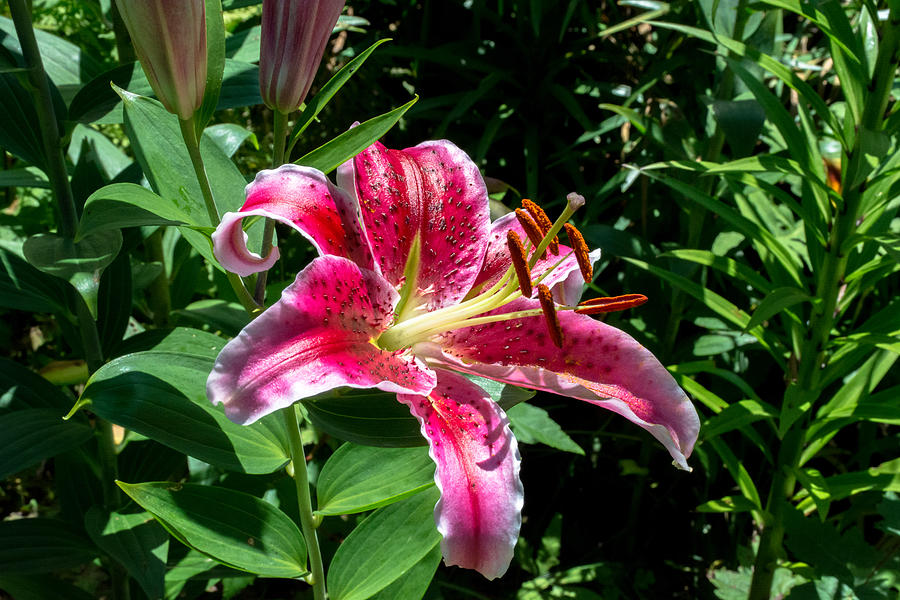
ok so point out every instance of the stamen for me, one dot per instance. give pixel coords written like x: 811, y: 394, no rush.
x: 549, y: 309
x: 519, y: 261
x: 540, y: 217
x: 610, y: 304
x: 582, y: 253
x: 532, y: 229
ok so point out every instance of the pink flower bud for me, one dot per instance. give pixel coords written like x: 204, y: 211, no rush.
x: 294, y: 34
x: 169, y: 38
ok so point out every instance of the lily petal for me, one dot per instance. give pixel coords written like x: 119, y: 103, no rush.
x: 565, y: 280
x: 433, y: 192
x: 303, y: 198
x: 597, y: 363
x: 315, y: 338
x: 477, y: 457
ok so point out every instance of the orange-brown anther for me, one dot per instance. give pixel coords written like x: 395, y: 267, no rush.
x: 520, y: 262
x: 532, y: 229
x: 540, y: 217
x: 610, y: 304
x: 546, y: 299
x: 582, y: 254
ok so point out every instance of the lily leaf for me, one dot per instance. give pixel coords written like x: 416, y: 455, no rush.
x: 359, y: 478
x: 318, y: 102
x: 234, y: 528
x: 80, y: 263
x: 333, y: 153
x: 384, y: 547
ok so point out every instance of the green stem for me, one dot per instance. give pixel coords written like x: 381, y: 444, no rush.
x: 160, y: 300
x: 106, y: 446
x: 278, y: 149
x: 56, y: 164
x: 123, y: 39
x: 188, y: 132
x: 828, y: 282
x: 304, y: 502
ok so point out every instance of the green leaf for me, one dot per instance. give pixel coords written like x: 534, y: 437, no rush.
x: 727, y: 504
x: 159, y: 148
x: 66, y: 64
x: 365, y: 416
x: 22, y: 287
x: 178, y: 340
x: 817, y: 487
x: 503, y: 394
x: 766, y: 243
x: 41, y: 546
x: 360, y: 478
x: 136, y: 541
x: 847, y: 55
x: 783, y: 72
x: 21, y: 388
x: 830, y: 551
x: 883, y: 478
x: 114, y: 303
x: 736, y: 416
x: 30, y: 177
x: 96, y: 102
x: 533, y: 424
x: 861, y: 384
x: 740, y: 475
x: 128, y: 205
x: 776, y: 301
x: 384, y: 547
x: 711, y: 300
x: 31, y: 435
x: 215, y: 62
x: 413, y: 584
x: 327, y: 92
x: 230, y: 136
x: 40, y: 587
x: 19, y: 131
x: 80, y: 263
x: 741, y: 122
x: 889, y: 508
x: 162, y: 395
x: 219, y: 315
x: 234, y: 528
x: 333, y: 153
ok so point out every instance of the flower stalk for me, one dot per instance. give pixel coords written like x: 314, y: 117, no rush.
x: 55, y: 162
x: 278, y: 151
x: 813, y: 354
x: 308, y: 522
x: 189, y: 133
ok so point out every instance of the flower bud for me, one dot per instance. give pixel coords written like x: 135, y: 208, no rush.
x: 293, y: 38
x: 169, y: 38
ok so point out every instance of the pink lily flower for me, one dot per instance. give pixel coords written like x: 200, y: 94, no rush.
x: 414, y: 285
x: 169, y: 38
x: 293, y: 38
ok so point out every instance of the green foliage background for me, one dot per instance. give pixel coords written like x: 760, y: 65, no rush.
x: 721, y: 146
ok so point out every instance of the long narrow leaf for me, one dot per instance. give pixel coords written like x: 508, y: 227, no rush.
x: 333, y: 153
x: 318, y: 102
